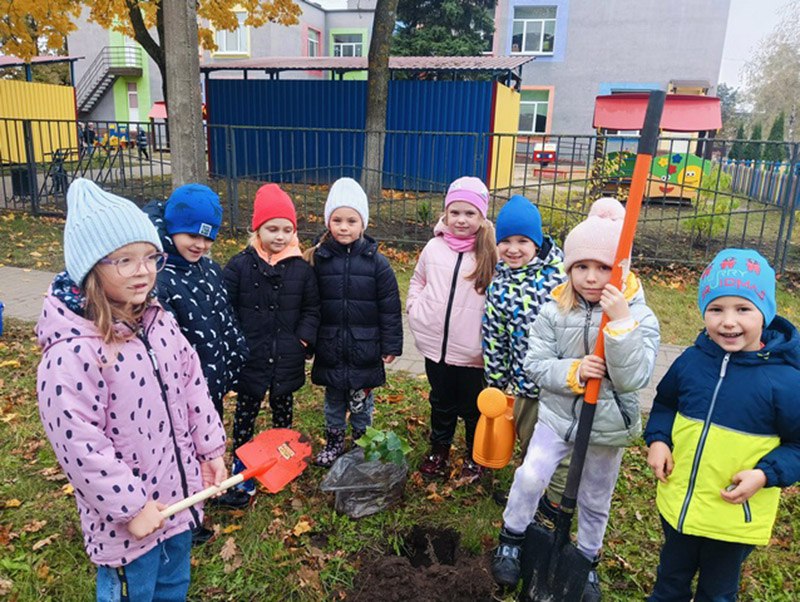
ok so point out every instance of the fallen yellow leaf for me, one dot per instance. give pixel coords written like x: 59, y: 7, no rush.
x: 13, y: 503
x: 9, y: 364
x: 301, y: 527
x: 68, y: 489
x: 230, y: 529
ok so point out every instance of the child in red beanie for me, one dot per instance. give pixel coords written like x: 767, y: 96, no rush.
x: 274, y: 294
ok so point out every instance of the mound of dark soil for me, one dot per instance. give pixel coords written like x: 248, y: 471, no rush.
x: 432, y: 569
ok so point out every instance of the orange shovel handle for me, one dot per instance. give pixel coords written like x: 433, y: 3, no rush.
x: 644, y: 160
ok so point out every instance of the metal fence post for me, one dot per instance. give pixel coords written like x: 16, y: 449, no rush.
x: 30, y: 160
x: 790, y: 204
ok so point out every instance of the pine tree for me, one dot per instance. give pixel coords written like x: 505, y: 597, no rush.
x: 776, y: 151
x: 752, y: 150
x: 737, y: 149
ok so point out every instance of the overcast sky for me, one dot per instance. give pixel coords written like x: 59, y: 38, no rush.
x: 748, y: 23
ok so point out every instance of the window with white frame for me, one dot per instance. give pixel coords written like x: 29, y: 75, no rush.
x: 534, y: 30
x: 313, y: 42
x: 533, y: 108
x: 233, y: 42
x: 347, y: 44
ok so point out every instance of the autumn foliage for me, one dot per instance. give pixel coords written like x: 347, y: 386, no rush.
x: 33, y: 27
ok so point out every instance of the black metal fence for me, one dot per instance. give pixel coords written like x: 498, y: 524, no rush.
x: 698, y: 201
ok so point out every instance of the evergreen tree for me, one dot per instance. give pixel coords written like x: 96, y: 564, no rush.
x: 443, y: 27
x: 737, y: 149
x: 775, y: 151
x: 752, y: 150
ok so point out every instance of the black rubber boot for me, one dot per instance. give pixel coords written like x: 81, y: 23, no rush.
x: 357, y: 434
x: 506, y: 565
x: 334, y: 447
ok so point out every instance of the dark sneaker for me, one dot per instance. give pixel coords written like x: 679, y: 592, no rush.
x: 435, y: 464
x: 233, y: 498
x: 506, y: 565
x: 201, y: 535
x: 470, y: 472
x: 591, y: 591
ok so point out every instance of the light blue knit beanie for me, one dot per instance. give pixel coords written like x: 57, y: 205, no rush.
x: 99, y: 223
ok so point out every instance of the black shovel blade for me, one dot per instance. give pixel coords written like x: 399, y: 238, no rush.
x: 551, y: 572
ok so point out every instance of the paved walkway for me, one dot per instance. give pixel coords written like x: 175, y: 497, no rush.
x: 22, y: 291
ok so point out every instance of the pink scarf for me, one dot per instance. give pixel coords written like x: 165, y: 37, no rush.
x: 456, y: 243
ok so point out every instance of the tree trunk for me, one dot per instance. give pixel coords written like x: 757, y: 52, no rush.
x: 185, y: 118
x: 377, y: 97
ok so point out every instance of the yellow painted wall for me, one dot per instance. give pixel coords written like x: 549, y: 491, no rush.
x: 506, y: 121
x: 35, y: 101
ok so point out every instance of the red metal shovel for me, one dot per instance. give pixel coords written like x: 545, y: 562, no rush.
x: 275, y: 457
x: 553, y: 570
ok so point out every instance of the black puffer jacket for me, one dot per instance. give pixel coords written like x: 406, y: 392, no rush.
x: 195, y: 294
x: 361, y: 319
x: 277, y: 306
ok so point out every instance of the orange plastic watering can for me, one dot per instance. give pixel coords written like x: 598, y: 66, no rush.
x: 494, y: 435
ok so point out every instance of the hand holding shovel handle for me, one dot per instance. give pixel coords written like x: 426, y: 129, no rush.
x: 215, y: 489
x: 275, y: 457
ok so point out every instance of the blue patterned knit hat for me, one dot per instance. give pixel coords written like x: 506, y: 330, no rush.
x: 99, y: 223
x: 739, y: 273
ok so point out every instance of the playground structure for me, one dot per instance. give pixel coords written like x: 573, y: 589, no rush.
x: 681, y: 160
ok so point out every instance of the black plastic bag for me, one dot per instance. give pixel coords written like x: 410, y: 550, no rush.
x: 363, y: 488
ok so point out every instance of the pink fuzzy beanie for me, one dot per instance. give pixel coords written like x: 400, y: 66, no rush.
x: 597, y: 236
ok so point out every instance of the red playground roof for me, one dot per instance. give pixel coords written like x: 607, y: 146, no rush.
x: 682, y: 112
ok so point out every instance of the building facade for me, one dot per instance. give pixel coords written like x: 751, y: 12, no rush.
x: 118, y: 82
x: 584, y: 48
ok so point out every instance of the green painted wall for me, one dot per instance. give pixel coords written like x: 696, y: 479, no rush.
x: 120, y: 88
x: 364, y: 32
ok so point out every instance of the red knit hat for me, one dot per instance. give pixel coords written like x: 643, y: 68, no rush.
x: 272, y: 202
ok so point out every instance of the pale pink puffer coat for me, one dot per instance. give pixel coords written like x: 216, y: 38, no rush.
x: 432, y: 289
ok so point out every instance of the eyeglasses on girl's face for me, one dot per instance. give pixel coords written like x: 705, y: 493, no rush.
x: 128, y: 266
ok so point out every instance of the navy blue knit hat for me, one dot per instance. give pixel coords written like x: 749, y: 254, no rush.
x: 193, y: 209
x: 519, y: 217
x: 739, y: 273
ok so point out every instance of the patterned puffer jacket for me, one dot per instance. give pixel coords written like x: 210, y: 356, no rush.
x: 513, y: 301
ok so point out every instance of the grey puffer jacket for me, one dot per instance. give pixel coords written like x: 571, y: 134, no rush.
x: 558, y: 342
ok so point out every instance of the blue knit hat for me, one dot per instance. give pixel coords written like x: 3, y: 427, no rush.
x: 193, y: 209
x: 99, y: 223
x: 739, y: 273
x: 519, y: 217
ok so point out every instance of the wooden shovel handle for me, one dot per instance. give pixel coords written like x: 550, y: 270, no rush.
x: 215, y: 489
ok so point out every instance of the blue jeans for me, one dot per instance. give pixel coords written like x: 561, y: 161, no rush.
x: 336, y: 402
x: 719, y: 564
x: 161, y: 575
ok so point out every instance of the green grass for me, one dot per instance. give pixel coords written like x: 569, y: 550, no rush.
x: 41, y: 549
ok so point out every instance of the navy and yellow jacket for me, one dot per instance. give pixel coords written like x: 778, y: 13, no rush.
x: 722, y: 413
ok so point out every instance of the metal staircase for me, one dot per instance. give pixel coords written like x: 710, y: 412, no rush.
x: 110, y: 63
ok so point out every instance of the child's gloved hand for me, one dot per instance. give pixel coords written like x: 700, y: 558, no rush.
x: 592, y: 366
x: 147, y: 521
x: 614, y: 303
x: 659, y: 459
x: 744, y: 485
x: 213, y: 472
